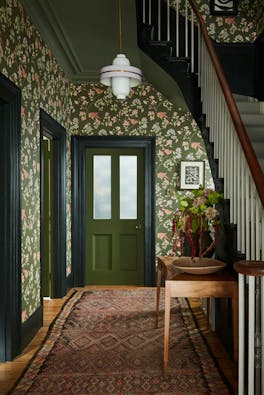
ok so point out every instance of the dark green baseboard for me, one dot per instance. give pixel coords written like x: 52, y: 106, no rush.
x: 69, y: 282
x: 31, y: 326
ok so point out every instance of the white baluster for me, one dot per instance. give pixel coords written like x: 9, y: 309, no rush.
x: 177, y: 28
x: 247, y: 212
x: 241, y: 333
x: 149, y: 16
x: 257, y: 231
x: 251, y: 334
x: 235, y: 194
x: 231, y: 171
x: 243, y: 207
x: 252, y: 221
x: 144, y: 12
x: 199, y: 56
x: 192, y: 41
x: 262, y: 236
x: 262, y: 333
x: 168, y: 20
x: 186, y: 28
x: 159, y: 20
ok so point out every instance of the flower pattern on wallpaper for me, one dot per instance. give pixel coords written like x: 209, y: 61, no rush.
x: 243, y: 27
x: 26, y: 60
x: 145, y: 113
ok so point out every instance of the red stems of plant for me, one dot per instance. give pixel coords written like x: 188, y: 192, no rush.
x: 188, y: 231
x: 181, y: 241
x: 212, y: 245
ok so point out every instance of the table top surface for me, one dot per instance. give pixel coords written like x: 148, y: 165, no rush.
x: 222, y: 275
x: 175, y: 275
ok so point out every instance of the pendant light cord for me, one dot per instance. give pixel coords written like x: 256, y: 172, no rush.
x: 120, y: 27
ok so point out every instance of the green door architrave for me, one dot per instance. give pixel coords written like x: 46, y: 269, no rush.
x: 114, y: 216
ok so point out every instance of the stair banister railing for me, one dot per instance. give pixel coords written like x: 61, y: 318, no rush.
x: 254, y: 166
x: 238, y: 165
x: 252, y: 272
x: 244, y: 187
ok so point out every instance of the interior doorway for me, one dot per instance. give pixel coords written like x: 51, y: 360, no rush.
x: 80, y: 145
x: 48, y: 218
x: 53, y: 207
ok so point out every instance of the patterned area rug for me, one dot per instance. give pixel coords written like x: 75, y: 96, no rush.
x: 105, y: 342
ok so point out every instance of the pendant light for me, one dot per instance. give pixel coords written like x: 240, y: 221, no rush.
x: 120, y: 75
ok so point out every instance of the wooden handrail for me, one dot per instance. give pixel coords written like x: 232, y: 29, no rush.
x: 249, y: 152
x: 250, y: 268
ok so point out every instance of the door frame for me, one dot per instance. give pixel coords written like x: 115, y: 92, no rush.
x: 78, y: 146
x: 51, y: 128
x: 10, y: 247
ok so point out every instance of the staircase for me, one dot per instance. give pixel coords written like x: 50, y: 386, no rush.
x: 253, y: 118
x: 174, y: 48
x: 178, y: 41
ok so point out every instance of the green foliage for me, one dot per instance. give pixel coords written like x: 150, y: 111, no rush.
x: 197, y: 213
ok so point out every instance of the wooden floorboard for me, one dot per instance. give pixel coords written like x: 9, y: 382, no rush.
x: 11, y: 371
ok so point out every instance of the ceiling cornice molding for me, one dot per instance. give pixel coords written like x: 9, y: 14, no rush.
x: 54, y: 35
x: 81, y: 38
x: 85, y: 76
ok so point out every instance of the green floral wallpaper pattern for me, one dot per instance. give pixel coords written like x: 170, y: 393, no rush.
x: 145, y: 113
x: 243, y: 27
x: 27, y: 61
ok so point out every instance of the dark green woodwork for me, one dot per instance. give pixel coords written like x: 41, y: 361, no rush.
x: 53, y: 130
x: 242, y: 78
x: 79, y: 147
x: 114, y: 247
x: 259, y: 79
x: 30, y: 326
x: 10, y: 220
x: 47, y: 254
x: 247, y: 77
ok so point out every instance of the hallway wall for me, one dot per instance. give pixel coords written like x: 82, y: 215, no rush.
x: 28, y: 62
x: 83, y: 109
x: 90, y: 109
x: 25, y: 59
x: 145, y: 112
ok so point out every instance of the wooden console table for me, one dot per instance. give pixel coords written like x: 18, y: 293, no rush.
x: 219, y: 285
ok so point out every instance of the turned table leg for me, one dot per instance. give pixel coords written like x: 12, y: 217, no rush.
x: 166, y: 328
x: 158, y: 294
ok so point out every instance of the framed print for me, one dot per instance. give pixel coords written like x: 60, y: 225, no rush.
x: 223, y: 7
x: 192, y: 174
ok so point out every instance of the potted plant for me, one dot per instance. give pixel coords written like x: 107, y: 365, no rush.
x: 195, y: 219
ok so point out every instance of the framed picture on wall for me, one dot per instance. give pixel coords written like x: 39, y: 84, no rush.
x: 223, y: 7
x: 191, y: 174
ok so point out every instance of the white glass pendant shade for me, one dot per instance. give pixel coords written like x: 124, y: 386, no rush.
x: 121, y: 76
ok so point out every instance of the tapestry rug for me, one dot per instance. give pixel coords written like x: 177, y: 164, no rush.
x: 105, y: 342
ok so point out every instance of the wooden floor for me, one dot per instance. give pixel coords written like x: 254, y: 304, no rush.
x: 11, y: 371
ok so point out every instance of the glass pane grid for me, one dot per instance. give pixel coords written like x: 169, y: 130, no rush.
x: 128, y: 186
x: 102, y: 187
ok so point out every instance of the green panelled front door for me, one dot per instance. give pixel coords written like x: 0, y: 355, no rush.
x: 114, y: 216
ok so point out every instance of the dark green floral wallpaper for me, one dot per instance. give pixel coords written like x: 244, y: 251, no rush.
x: 26, y: 61
x: 85, y: 109
x: 243, y: 27
x: 145, y: 113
